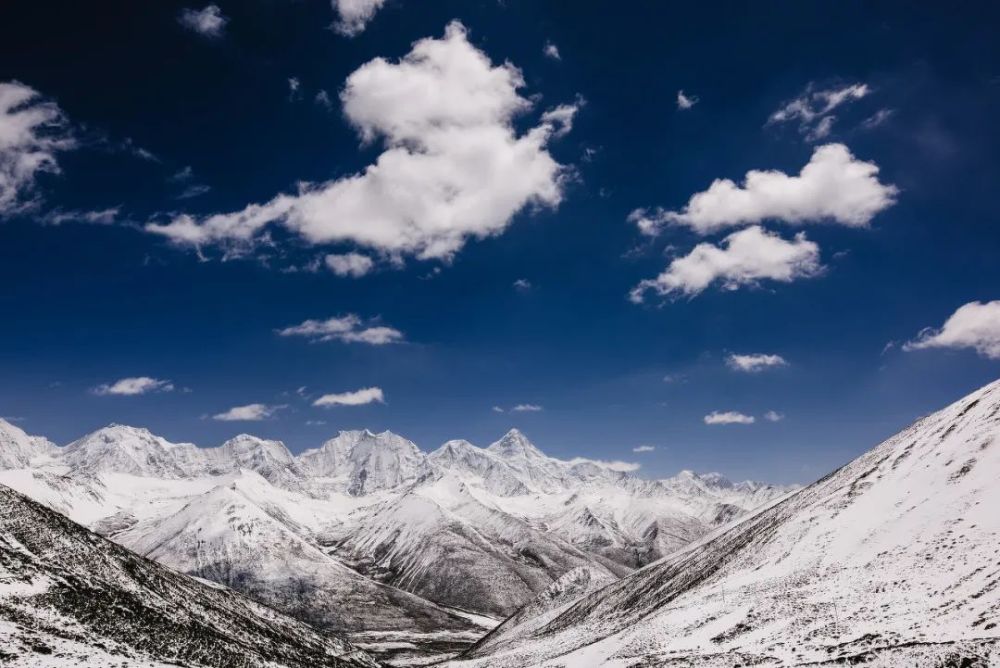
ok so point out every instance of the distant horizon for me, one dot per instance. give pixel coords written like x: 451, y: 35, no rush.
x: 634, y: 467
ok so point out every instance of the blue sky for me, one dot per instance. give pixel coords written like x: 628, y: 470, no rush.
x: 491, y: 267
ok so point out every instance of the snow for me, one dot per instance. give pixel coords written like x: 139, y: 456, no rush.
x: 441, y: 543
x: 894, y: 558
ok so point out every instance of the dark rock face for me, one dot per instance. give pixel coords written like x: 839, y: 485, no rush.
x: 67, y: 591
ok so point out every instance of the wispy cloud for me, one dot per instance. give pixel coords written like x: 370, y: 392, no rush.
x: 33, y: 131
x: 527, y: 408
x: 728, y: 417
x: 551, y: 51
x: 644, y: 448
x: 754, y: 362
x: 248, y: 413
x: 354, y: 265
x: 774, y: 416
x: 349, y: 328
x: 207, y: 22
x: 360, y: 397
x: 133, y: 386
x: 685, y: 102
x: 813, y: 108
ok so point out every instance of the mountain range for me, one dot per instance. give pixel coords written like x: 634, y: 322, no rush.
x: 408, y: 555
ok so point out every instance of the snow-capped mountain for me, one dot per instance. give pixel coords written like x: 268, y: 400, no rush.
x: 361, y: 462
x: 421, y: 539
x: 892, y: 560
x: 70, y: 597
x: 18, y: 450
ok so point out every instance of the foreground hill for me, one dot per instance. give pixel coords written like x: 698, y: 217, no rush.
x: 70, y: 597
x: 892, y: 560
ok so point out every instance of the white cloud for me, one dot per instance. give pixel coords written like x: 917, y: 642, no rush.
x: 357, y: 398
x: 834, y: 186
x: 624, y: 467
x: 551, y: 51
x: 354, y: 265
x: 812, y: 109
x: 644, y: 448
x: 248, y: 413
x: 323, y: 99
x: 354, y: 15
x: 208, y: 22
x: 497, y: 409
x: 749, y: 256
x: 133, y: 386
x: 349, y: 328
x: 685, y: 101
x: 293, y: 87
x: 32, y: 132
x: 974, y: 325
x: 98, y: 217
x: 522, y: 285
x: 453, y: 167
x: 527, y: 408
x: 754, y: 362
x: 728, y: 417
x: 774, y: 416
x: 877, y: 119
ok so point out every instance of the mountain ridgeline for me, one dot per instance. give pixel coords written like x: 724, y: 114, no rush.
x: 407, y: 554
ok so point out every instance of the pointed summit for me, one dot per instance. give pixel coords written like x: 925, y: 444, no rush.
x: 515, y: 444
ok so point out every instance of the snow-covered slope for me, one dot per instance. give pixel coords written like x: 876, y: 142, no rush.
x: 70, y: 597
x: 437, y: 540
x: 371, y: 517
x: 892, y: 560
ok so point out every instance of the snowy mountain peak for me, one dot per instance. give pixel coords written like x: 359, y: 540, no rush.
x: 363, y: 462
x: 123, y: 449
x: 515, y: 444
x: 18, y: 449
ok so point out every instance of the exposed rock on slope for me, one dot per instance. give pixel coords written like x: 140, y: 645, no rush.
x: 70, y: 596
x: 894, y: 558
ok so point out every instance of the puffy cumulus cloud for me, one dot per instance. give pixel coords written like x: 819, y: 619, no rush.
x: 747, y: 257
x: 133, y: 386
x: 623, y: 467
x: 33, y: 131
x: 833, y: 186
x: 361, y: 397
x: 354, y: 265
x: 975, y: 325
x: 551, y: 51
x: 353, y: 15
x: 755, y: 362
x: 349, y: 328
x: 644, y: 448
x: 685, y: 101
x: 813, y: 108
x: 207, y: 22
x: 728, y: 417
x: 454, y: 166
x: 527, y: 408
x: 774, y: 416
x: 248, y: 413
